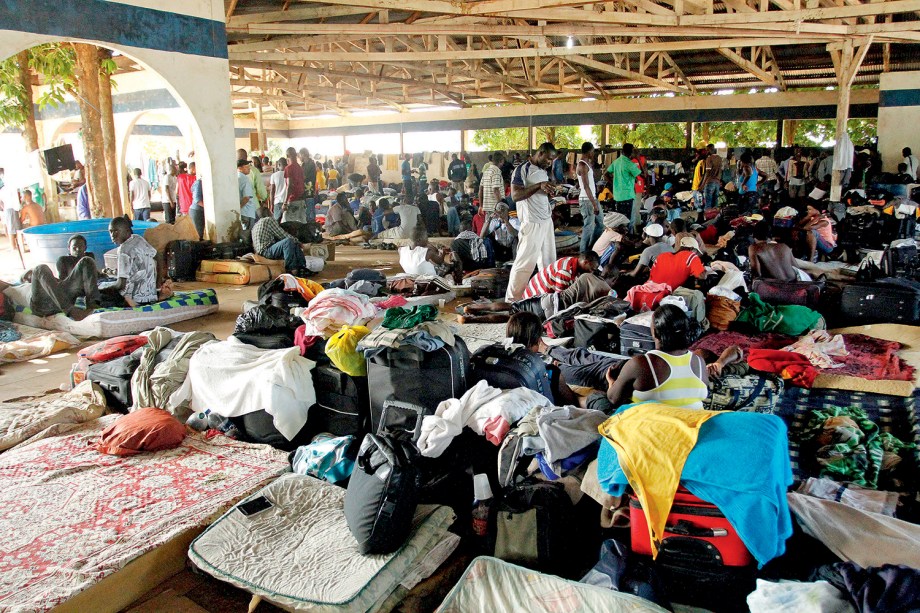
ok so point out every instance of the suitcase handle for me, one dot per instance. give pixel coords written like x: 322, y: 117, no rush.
x: 687, y: 528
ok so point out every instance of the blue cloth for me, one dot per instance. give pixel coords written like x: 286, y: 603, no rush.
x: 750, y: 184
x: 8, y: 333
x: 377, y: 222
x: 740, y: 464
x: 245, y: 188
x: 355, y: 205
x: 570, y: 463
x: 424, y: 341
x: 197, y: 194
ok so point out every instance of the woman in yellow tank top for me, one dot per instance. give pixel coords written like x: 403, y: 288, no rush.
x: 670, y: 374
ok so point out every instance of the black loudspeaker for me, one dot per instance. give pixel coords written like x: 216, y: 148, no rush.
x: 58, y: 159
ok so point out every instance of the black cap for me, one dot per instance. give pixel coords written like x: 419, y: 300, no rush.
x: 241, y: 163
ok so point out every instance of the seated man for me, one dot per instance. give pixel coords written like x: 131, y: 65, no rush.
x: 50, y: 295
x: 271, y: 241
x: 356, y: 200
x: 430, y: 212
x: 136, y: 272
x: 77, y: 247
x: 769, y: 259
x: 421, y: 258
x: 675, y: 268
x: 341, y: 223
x: 657, y: 244
x: 470, y: 249
x: 31, y: 214
x: 407, y: 219
x: 561, y: 274
x: 501, y: 230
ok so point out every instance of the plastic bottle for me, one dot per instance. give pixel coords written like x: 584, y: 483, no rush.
x: 215, y: 420
x: 482, y: 509
x: 199, y: 421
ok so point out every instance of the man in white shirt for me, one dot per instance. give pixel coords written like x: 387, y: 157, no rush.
x: 408, y: 218
x: 139, y: 190
x: 277, y: 188
x: 912, y: 165
x: 531, y: 189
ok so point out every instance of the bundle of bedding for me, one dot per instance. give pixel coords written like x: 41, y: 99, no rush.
x: 300, y: 555
x: 73, y: 516
x: 21, y: 420
x: 109, y: 322
x: 499, y: 587
x: 35, y: 343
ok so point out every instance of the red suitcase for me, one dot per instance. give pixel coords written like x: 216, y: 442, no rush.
x: 697, y: 533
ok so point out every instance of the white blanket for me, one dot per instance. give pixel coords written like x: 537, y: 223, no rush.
x: 232, y: 378
x: 474, y: 409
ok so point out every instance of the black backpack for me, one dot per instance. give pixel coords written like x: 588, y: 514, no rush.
x: 383, y: 490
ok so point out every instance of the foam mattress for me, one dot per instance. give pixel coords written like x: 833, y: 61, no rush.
x: 300, y: 555
x: 233, y: 272
x: 110, y: 322
x: 73, y: 516
x: 498, y: 587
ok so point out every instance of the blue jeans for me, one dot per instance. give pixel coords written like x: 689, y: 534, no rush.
x: 288, y: 250
x: 592, y: 224
x: 142, y: 214
x: 453, y: 221
x: 311, y: 209
x: 196, y: 213
x: 710, y: 195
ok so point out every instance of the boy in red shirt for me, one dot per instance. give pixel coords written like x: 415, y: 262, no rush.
x: 675, y: 268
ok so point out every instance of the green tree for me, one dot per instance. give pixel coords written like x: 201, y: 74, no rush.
x: 501, y: 139
x: 54, y: 62
x: 645, y: 135
x: 821, y: 132
x: 564, y: 137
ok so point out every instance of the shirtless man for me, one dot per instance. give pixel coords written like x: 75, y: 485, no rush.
x: 768, y: 259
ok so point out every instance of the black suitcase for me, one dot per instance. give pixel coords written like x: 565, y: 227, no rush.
x: 342, y: 405
x: 183, y: 258
x: 880, y: 302
x: 509, y: 370
x: 598, y: 333
x: 259, y: 427
x: 635, y: 339
x: 491, y: 283
x: 411, y: 375
x: 267, y: 340
x: 114, y: 377
x: 230, y: 251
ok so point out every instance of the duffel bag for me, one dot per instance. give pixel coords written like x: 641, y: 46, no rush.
x: 505, y: 369
x: 490, y: 283
x: 753, y: 393
x: 880, y: 302
x: 802, y: 293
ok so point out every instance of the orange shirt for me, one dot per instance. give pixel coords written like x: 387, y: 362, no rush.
x: 675, y: 268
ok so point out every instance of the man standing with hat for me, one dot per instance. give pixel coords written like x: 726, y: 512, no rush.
x: 247, y: 200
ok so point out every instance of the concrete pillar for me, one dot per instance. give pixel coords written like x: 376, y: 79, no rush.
x: 689, y: 132
x: 402, y: 146
x: 605, y: 135
x: 898, y: 113
x: 849, y: 59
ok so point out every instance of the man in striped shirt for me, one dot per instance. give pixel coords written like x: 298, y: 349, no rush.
x: 561, y: 274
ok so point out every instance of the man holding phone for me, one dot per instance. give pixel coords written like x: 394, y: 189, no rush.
x: 531, y: 190
x: 502, y: 232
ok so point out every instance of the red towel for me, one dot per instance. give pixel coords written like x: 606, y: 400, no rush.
x: 793, y: 367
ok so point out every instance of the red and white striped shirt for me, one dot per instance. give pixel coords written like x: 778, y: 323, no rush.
x: 554, y: 278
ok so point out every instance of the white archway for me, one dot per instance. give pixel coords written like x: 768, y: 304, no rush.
x: 201, y: 86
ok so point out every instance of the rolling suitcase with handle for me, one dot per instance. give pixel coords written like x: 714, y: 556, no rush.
x: 342, y: 406
x: 636, y: 335
x: 506, y: 369
x: 114, y: 377
x: 880, y: 302
x: 183, y: 258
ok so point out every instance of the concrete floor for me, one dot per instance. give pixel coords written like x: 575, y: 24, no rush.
x: 42, y: 375
x: 187, y: 592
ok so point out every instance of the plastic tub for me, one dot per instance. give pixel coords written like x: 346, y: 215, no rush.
x: 49, y: 242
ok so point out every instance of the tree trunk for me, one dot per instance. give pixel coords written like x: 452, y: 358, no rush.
x: 108, y: 136
x: 789, y: 132
x: 704, y: 134
x: 29, y: 131
x: 87, y: 73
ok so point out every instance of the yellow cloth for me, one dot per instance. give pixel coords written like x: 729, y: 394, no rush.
x: 320, y: 179
x: 698, y: 175
x: 652, y: 442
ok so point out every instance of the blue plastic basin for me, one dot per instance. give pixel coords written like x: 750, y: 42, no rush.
x: 49, y: 242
